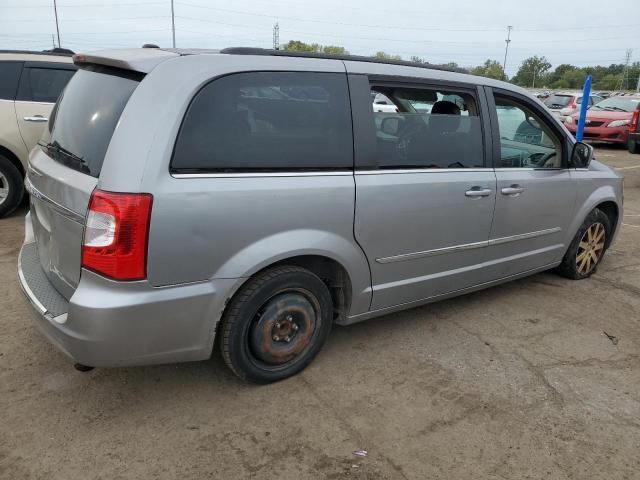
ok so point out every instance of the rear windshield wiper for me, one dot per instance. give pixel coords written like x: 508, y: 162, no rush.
x: 54, y: 148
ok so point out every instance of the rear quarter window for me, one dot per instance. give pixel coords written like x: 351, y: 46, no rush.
x: 267, y: 121
x: 9, y: 77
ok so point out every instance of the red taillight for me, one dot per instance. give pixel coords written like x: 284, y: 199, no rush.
x: 115, y: 237
x: 633, y: 126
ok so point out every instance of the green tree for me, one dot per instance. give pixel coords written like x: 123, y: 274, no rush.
x: 417, y: 59
x: 298, y: 46
x: 532, y: 71
x: 555, y: 78
x: 387, y: 56
x: 491, y: 69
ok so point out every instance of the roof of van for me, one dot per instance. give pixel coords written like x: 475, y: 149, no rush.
x: 148, y: 57
x: 144, y: 60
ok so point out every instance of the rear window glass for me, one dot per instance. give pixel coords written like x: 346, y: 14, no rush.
x: 618, y: 104
x: 85, y: 118
x: 557, y: 101
x: 267, y: 121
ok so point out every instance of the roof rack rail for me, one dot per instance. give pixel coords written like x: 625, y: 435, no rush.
x: 63, y: 52
x: 353, y: 58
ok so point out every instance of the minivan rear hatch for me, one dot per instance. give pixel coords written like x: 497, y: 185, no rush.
x: 64, y: 168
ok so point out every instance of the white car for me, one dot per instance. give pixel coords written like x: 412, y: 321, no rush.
x: 565, y: 104
x: 30, y: 83
x: 382, y: 104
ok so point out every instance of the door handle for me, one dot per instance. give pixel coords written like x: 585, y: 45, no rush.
x: 476, y: 192
x: 35, y: 118
x: 512, y: 191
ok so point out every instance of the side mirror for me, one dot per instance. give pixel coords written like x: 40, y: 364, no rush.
x: 581, y: 155
x: 390, y: 125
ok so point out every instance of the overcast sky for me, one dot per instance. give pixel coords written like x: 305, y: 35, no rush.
x: 463, y: 31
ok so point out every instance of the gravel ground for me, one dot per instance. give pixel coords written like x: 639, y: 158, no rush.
x: 517, y: 381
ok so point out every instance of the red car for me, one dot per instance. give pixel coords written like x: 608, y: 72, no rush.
x: 608, y: 121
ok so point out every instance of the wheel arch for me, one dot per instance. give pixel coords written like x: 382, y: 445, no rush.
x: 13, y: 158
x: 605, y: 198
x: 611, y: 210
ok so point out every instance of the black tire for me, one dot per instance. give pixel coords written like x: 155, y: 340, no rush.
x: 571, y: 263
x: 11, y: 178
x: 257, y: 336
x: 633, y: 146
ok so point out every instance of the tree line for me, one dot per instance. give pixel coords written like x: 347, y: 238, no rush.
x: 534, y: 72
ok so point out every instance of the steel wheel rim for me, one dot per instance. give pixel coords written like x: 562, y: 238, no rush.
x: 4, y: 188
x: 590, y: 248
x: 283, y: 329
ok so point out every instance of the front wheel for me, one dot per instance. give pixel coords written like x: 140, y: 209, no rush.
x: 587, y: 248
x: 633, y: 146
x: 276, y: 324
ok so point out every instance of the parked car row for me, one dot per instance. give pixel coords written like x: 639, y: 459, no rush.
x: 610, y: 120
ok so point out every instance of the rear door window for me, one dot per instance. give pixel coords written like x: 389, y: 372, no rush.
x: 267, y: 121
x: 43, y: 84
x: 431, y: 128
x: 85, y: 118
x: 9, y: 76
x: 558, y: 101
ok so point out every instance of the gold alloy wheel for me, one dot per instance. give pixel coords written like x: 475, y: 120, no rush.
x: 590, y: 248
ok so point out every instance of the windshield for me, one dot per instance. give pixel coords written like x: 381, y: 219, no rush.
x: 85, y: 118
x: 557, y: 101
x: 618, y: 104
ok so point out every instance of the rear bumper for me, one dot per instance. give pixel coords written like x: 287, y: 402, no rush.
x: 108, y: 324
x: 602, y: 134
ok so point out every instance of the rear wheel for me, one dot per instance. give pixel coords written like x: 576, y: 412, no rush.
x: 11, y: 187
x: 633, y: 146
x: 276, y: 324
x: 587, y: 248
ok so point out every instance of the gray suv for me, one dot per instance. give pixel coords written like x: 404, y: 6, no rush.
x: 254, y: 197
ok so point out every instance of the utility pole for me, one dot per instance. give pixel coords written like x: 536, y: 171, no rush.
x: 53, y: 40
x: 173, y: 26
x: 506, y: 50
x: 624, y: 81
x: 533, y: 84
x: 276, y: 36
x: 55, y: 12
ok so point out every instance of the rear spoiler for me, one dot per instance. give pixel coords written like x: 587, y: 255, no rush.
x: 135, y: 60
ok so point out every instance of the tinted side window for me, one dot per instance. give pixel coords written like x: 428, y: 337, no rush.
x: 9, y: 76
x: 267, y: 121
x: 44, y: 84
x: 428, y: 128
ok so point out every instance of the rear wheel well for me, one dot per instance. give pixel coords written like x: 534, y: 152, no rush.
x: 610, y: 209
x: 5, y: 152
x: 333, y: 274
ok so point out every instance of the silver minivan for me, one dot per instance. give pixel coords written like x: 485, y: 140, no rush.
x: 254, y: 197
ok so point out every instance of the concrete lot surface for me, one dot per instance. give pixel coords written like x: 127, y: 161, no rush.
x: 515, y: 382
